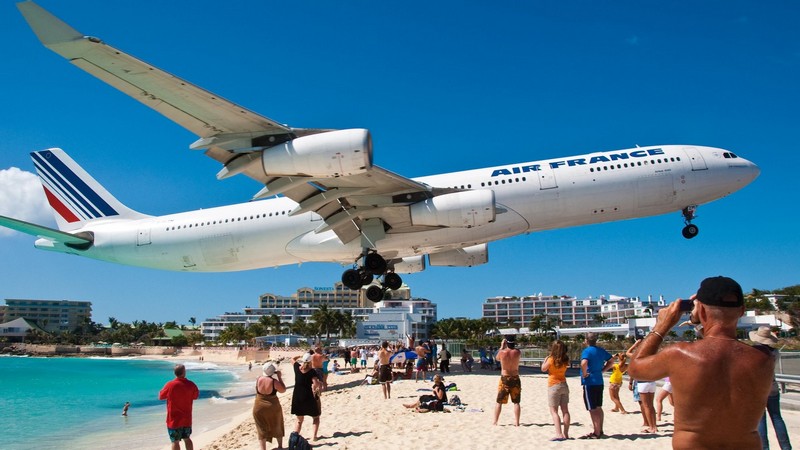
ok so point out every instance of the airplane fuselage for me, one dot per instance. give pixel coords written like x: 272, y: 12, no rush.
x: 532, y: 196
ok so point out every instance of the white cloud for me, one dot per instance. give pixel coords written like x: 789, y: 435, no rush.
x: 22, y: 197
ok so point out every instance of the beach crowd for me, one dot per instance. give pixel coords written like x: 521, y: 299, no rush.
x: 718, y: 388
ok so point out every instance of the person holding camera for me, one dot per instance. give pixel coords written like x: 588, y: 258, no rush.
x: 509, y: 386
x: 720, y: 385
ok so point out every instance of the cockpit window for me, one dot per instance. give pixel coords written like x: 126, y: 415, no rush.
x: 729, y: 155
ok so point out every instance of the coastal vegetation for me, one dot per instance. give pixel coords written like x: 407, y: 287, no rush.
x: 327, y: 322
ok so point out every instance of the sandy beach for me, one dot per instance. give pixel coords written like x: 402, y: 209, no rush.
x: 358, y: 417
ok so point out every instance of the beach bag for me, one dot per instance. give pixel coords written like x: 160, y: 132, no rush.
x: 455, y: 401
x: 297, y: 442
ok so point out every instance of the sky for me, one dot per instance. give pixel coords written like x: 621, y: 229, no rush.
x: 442, y: 86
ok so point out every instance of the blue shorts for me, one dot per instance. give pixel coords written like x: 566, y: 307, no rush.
x: 593, y: 396
x: 176, y: 434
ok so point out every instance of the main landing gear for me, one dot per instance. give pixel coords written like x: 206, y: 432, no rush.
x: 373, y: 265
x: 690, y: 230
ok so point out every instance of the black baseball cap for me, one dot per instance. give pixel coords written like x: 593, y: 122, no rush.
x: 511, y: 342
x: 720, y: 291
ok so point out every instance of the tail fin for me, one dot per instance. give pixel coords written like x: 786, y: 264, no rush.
x: 76, y: 197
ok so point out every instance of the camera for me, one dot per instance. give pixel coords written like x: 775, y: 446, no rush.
x: 687, y: 305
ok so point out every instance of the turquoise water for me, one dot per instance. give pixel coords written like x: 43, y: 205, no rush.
x: 77, y: 402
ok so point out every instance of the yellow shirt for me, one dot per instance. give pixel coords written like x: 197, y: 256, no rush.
x: 616, y: 375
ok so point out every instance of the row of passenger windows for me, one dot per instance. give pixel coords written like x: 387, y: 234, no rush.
x: 591, y: 169
x: 638, y: 164
x: 220, y: 221
x: 493, y: 183
x: 496, y: 182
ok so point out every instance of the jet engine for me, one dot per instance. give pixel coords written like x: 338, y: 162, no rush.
x: 460, y: 209
x: 324, y: 155
x: 462, y: 257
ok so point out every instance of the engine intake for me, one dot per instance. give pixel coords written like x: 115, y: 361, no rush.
x: 460, y: 209
x: 325, y: 155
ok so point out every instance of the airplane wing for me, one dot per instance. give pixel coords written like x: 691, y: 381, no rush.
x: 236, y: 136
x: 80, y: 240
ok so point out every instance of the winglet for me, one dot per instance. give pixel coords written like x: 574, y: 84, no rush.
x: 48, y: 28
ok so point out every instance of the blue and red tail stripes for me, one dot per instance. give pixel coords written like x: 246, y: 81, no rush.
x: 68, y: 194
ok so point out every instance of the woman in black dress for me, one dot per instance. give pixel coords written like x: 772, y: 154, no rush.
x: 307, y: 388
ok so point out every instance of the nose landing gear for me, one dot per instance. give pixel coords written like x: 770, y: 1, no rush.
x: 690, y: 230
x: 373, y: 264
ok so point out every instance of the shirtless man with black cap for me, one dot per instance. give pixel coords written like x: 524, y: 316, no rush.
x: 720, y: 385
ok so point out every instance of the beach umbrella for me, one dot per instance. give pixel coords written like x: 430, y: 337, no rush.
x: 403, y: 356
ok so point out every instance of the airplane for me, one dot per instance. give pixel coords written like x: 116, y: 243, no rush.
x: 329, y: 203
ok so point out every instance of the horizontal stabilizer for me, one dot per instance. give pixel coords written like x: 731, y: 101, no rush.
x: 83, y: 240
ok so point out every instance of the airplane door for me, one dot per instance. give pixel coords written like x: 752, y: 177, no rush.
x: 143, y: 237
x: 696, y: 158
x: 547, y: 179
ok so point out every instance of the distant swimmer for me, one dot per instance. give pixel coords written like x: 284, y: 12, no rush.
x: 125, y: 408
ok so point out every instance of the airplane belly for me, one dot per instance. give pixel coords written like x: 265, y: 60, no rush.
x: 507, y: 223
x: 323, y: 247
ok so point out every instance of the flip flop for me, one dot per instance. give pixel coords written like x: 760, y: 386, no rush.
x: 588, y: 436
x: 558, y: 439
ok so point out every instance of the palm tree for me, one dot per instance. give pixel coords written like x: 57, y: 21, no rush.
x: 113, y: 323
x: 324, y: 321
x: 195, y: 338
x: 193, y: 321
x: 300, y: 326
x: 255, y: 330
x: 344, y: 323
x: 445, y: 329
x: 233, y: 333
x: 272, y: 323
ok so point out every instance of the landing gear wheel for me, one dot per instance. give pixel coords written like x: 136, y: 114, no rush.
x: 392, y: 281
x: 374, y: 293
x: 352, y: 279
x: 690, y: 231
x: 374, y: 263
x: 366, y: 277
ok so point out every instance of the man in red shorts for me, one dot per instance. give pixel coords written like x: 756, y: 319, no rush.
x: 179, y: 393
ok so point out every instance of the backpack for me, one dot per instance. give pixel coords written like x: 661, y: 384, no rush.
x: 297, y: 442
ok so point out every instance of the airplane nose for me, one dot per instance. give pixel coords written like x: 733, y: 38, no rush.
x: 753, y: 171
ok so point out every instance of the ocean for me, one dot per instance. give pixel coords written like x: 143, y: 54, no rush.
x: 77, y: 403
